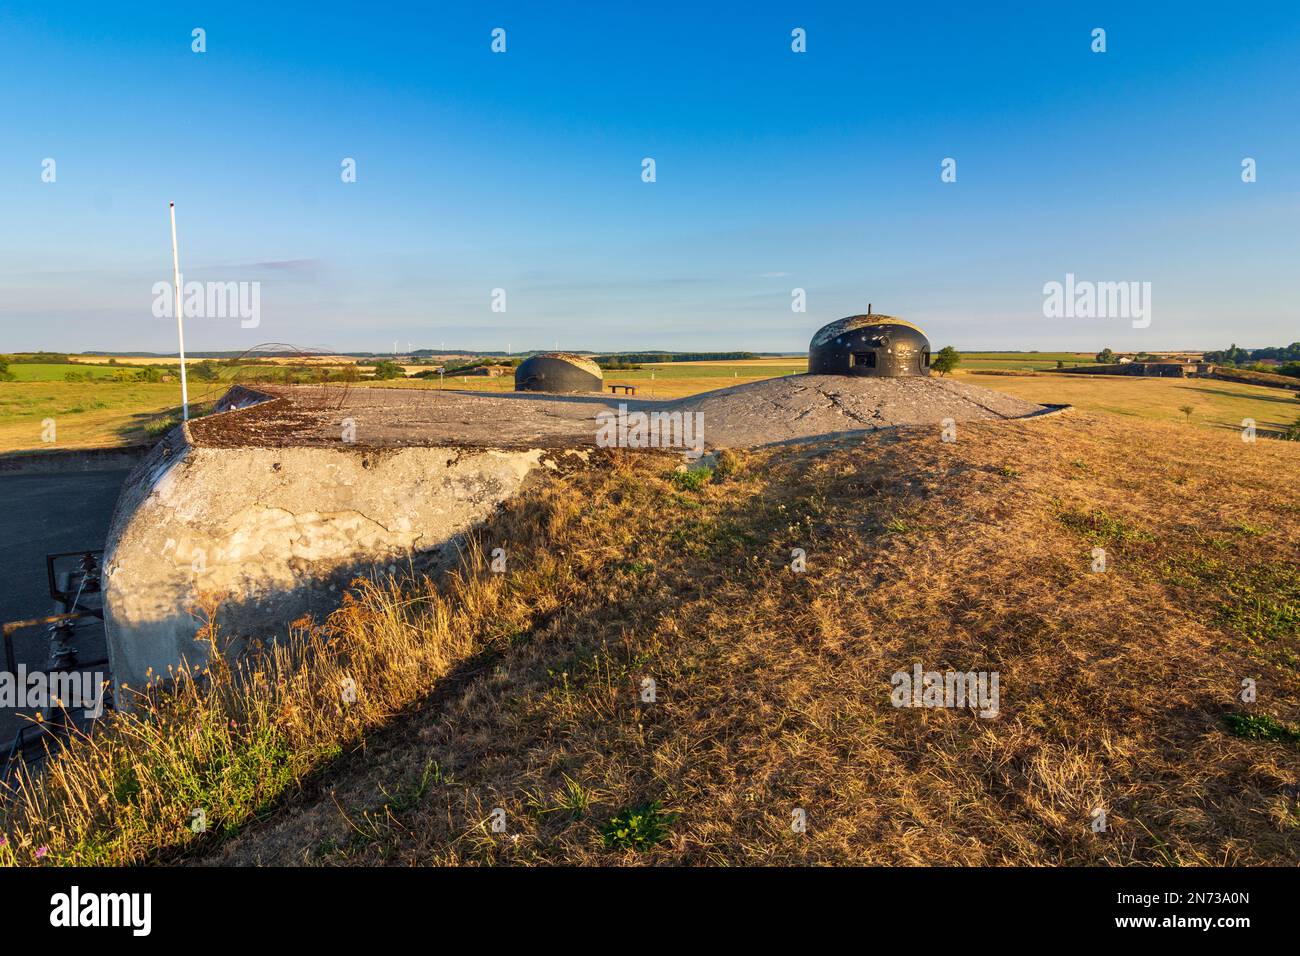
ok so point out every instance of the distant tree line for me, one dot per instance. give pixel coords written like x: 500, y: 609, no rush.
x: 38, y: 358
x: 638, y: 357
x: 460, y: 368
x: 1236, y: 357
x: 209, y: 370
x: 1107, y: 357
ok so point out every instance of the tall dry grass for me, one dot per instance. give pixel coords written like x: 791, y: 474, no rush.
x: 198, y: 757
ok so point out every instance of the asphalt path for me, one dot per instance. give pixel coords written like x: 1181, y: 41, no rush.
x: 42, y: 514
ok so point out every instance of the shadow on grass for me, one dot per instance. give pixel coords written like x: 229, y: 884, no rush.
x: 1282, y: 397
x: 149, y: 427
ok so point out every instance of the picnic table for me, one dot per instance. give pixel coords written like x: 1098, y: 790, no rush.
x: 627, y: 389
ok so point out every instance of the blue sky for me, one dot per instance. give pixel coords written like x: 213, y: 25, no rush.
x: 522, y: 171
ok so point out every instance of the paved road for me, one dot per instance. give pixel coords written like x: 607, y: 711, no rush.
x: 40, y: 514
x: 44, y: 513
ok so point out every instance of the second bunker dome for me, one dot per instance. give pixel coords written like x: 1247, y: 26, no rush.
x: 558, y: 372
x: 877, y: 345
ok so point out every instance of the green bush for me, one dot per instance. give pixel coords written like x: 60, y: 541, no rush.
x: 161, y: 426
x: 945, y: 360
x: 1261, y: 727
x: 206, y: 371
x: 693, y: 479
x: 638, y: 828
x: 1292, y: 431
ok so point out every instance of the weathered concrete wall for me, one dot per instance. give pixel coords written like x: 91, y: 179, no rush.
x: 278, y: 533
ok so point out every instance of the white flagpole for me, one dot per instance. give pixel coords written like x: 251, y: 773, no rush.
x: 180, y: 325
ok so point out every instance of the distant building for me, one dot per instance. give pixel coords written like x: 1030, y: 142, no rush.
x: 1165, y: 369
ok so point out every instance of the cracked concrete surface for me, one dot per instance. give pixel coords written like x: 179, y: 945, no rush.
x: 757, y: 413
x: 800, y: 407
x: 276, y: 533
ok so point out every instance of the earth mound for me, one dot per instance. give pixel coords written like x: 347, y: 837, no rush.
x: 799, y: 407
x: 772, y: 411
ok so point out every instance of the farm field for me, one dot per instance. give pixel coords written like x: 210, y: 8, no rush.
x: 1214, y: 403
x: 1022, y: 361
x: 97, y: 414
x: 107, y: 413
x: 85, y: 415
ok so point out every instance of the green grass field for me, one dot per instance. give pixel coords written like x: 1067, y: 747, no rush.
x: 105, y: 413
x: 55, y: 373
x: 85, y: 415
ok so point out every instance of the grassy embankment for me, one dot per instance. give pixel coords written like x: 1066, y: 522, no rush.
x: 523, y: 691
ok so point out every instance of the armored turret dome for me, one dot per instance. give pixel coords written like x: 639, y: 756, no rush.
x: 558, y: 372
x: 871, y: 344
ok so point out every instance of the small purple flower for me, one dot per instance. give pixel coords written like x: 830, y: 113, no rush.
x: 41, y: 851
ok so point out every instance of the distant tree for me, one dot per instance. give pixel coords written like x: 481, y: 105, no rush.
x: 387, y: 369
x: 1106, y: 357
x: 5, y: 374
x: 206, y: 371
x: 945, y: 360
x: 1187, y: 411
x: 1060, y: 363
x: 1292, y: 432
x: 1233, y: 356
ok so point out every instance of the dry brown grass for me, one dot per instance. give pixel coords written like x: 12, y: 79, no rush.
x: 773, y: 687
x: 222, y: 746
